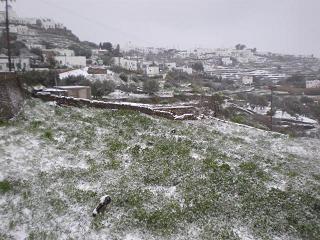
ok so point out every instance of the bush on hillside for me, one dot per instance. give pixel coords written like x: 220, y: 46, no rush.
x: 151, y: 86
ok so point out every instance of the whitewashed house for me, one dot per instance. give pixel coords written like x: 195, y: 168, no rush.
x: 64, y: 52
x: 99, y: 52
x: 313, y: 84
x: 208, y: 68
x: 223, y: 52
x: 14, y: 18
x: 12, y: 15
x: 152, y: 71
x: 244, y: 56
x: 48, y: 23
x: 129, y: 64
x: 77, y: 91
x: 171, y: 66
x: 226, y: 61
x: 247, y: 80
x: 185, y: 69
x: 71, y: 61
x: 31, y: 21
x: 18, y: 63
x: 59, y: 52
x: 20, y: 29
x: 35, y: 45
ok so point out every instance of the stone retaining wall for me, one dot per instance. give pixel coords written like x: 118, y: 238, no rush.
x: 79, y: 102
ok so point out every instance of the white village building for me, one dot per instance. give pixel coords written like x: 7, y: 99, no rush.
x: 45, y: 23
x: 313, y: 84
x: 93, y: 74
x: 31, y: 45
x: 226, y: 61
x: 223, y: 52
x: 63, y: 52
x: 18, y: 63
x: 71, y: 61
x: 247, y: 80
x: 14, y: 18
x: 12, y: 15
x: 185, y: 69
x: 152, y: 71
x: 21, y: 29
x: 99, y: 52
x: 171, y: 66
x: 129, y: 64
x: 48, y: 23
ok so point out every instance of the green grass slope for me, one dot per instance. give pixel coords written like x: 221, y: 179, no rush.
x: 205, y: 180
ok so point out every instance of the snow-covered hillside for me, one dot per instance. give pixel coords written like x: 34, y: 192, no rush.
x: 167, y: 180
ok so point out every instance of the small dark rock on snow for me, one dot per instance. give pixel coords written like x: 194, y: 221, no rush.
x: 104, y: 202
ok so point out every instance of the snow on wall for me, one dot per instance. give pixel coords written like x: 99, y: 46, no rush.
x: 79, y: 102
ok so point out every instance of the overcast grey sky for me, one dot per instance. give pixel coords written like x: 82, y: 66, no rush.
x: 286, y: 26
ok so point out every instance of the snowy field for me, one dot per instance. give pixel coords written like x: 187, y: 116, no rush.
x: 167, y: 180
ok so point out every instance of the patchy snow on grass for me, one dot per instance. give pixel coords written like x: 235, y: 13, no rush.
x: 196, y: 183
x: 169, y: 192
x: 244, y: 234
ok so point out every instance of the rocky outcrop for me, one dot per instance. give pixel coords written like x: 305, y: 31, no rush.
x: 11, y: 96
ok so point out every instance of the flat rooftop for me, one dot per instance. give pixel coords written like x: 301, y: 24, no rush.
x: 72, y: 87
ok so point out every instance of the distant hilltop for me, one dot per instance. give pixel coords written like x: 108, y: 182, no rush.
x: 38, y: 32
x: 44, y: 23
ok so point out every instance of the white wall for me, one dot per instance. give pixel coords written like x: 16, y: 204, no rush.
x: 20, y: 29
x: 33, y: 45
x: 171, y: 66
x: 313, y: 84
x: 47, y: 23
x: 19, y: 64
x: 152, y: 71
x: 73, y: 61
x: 247, y: 80
x: 187, y: 70
x: 226, y: 61
x: 64, y: 52
x: 128, y: 64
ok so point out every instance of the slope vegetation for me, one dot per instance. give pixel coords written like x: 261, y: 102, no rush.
x: 167, y: 179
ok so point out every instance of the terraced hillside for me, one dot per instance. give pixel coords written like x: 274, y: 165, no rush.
x: 167, y: 179
x: 55, y: 38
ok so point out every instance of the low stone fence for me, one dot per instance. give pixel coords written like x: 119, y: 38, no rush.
x: 79, y: 102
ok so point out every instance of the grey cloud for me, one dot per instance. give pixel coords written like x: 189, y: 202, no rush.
x: 289, y: 26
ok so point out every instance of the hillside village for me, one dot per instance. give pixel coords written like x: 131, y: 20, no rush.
x: 241, y: 76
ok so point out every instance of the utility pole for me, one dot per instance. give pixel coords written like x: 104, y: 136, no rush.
x: 272, y: 88
x: 55, y: 78
x: 8, y: 33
